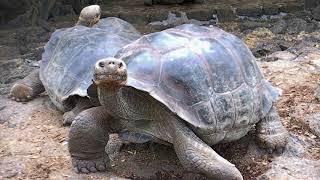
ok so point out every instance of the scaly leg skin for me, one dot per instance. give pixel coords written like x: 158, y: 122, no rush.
x: 27, y: 88
x: 271, y: 133
x: 198, y: 157
x: 89, y: 134
x: 82, y: 103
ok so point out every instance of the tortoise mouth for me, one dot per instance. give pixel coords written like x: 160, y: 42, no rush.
x: 95, y: 20
x: 115, y: 78
x: 110, y: 71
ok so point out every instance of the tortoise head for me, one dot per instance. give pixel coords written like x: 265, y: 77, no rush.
x: 89, y: 16
x: 110, y: 71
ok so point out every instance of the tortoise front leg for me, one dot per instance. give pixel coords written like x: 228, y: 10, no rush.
x: 27, y: 88
x: 89, y: 134
x: 271, y: 133
x: 197, y: 156
x: 82, y: 103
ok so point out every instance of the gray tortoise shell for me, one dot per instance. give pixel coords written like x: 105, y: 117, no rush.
x: 69, y: 57
x: 205, y: 75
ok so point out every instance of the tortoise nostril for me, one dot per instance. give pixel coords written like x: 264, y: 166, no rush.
x: 120, y: 65
x: 111, y: 62
x: 101, y: 64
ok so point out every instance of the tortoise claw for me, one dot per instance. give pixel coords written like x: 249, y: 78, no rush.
x: 280, y: 149
x: 88, y: 166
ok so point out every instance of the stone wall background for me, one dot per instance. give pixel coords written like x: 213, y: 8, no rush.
x: 10, y: 9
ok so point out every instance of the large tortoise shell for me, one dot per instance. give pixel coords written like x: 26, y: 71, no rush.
x: 205, y: 75
x: 69, y: 57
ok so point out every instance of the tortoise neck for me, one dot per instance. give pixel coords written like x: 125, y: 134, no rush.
x: 109, y: 94
x: 112, y: 98
x: 82, y: 22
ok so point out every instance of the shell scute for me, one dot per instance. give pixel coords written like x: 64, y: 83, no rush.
x: 243, y: 100
x: 182, y: 77
x: 145, y: 65
x: 224, y: 110
x: 225, y: 72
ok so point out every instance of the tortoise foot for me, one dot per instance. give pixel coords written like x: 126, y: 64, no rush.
x: 90, y: 166
x: 21, y: 93
x: 68, y: 117
x: 274, y: 143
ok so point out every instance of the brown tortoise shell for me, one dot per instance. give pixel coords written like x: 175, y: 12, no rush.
x: 69, y: 57
x: 205, y: 75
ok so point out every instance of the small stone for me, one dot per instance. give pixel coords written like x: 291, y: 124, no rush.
x: 226, y: 14
x: 317, y: 93
x: 280, y: 55
x: 251, y: 11
x: 279, y: 27
x: 296, y: 25
x: 316, y: 13
x: 314, y: 124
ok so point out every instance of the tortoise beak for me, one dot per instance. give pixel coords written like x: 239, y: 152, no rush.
x: 110, y: 71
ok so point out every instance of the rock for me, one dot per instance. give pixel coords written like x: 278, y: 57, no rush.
x: 296, y: 146
x: 317, y: 93
x: 264, y: 49
x: 312, y: 26
x: 226, y: 14
x: 314, y: 124
x: 60, y: 9
x: 280, y: 55
x: 287, y: 168
x: 279, y: 27
x: 252, y: 25
x: 296, y: 26
x: 270, y: 9
x: 310, y: 4
x: 137, y: 18
x: 11, y: 71
x: 316, y: 13
x: 31, y: 38
x: 201, y: 15
x: 178, y: 18
x: 252, y: 11
x: 255, y: 38
x: 7, y: 52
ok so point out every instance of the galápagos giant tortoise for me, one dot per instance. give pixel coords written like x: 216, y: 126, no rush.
x: 190, y: 86
x: 67, y: 63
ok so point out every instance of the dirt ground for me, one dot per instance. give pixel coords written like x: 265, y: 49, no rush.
x: 33, y: 141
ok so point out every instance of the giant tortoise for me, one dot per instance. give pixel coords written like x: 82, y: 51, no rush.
x: 189, y: 86
x: 67, y: 63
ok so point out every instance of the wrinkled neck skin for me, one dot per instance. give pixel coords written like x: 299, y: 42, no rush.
x: 127, y: 103
x: 111, y: 97
x: 108, y: 93
x: 84, y: 22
